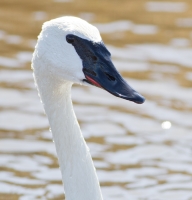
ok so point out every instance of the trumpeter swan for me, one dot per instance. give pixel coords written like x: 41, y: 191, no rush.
x: 70, y: 50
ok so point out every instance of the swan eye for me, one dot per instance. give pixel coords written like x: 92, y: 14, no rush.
x: 70, y: 39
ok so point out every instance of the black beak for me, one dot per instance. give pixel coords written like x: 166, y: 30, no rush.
x: 107, y: 77
x: 100, y: 71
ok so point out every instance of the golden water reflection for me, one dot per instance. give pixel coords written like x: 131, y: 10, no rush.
x: 140, y: 151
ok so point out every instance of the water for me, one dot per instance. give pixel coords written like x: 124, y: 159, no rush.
x: 141, y: 152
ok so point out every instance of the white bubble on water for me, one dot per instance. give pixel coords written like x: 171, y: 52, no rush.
x: 166, y: 125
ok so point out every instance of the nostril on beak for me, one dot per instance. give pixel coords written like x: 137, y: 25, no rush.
x: 110, y: 77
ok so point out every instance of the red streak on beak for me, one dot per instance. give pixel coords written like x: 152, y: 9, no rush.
x: 93, y: 81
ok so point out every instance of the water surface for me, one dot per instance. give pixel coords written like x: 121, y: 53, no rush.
x: 136, y: 155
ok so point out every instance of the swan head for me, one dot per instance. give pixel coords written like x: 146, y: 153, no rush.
x: 71, y: 49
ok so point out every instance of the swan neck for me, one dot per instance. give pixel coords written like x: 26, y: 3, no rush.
x: 77, y: 169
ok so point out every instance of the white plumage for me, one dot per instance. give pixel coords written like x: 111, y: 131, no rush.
x: 56, y: 67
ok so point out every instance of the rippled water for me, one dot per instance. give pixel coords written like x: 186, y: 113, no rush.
x: 138, y: 155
